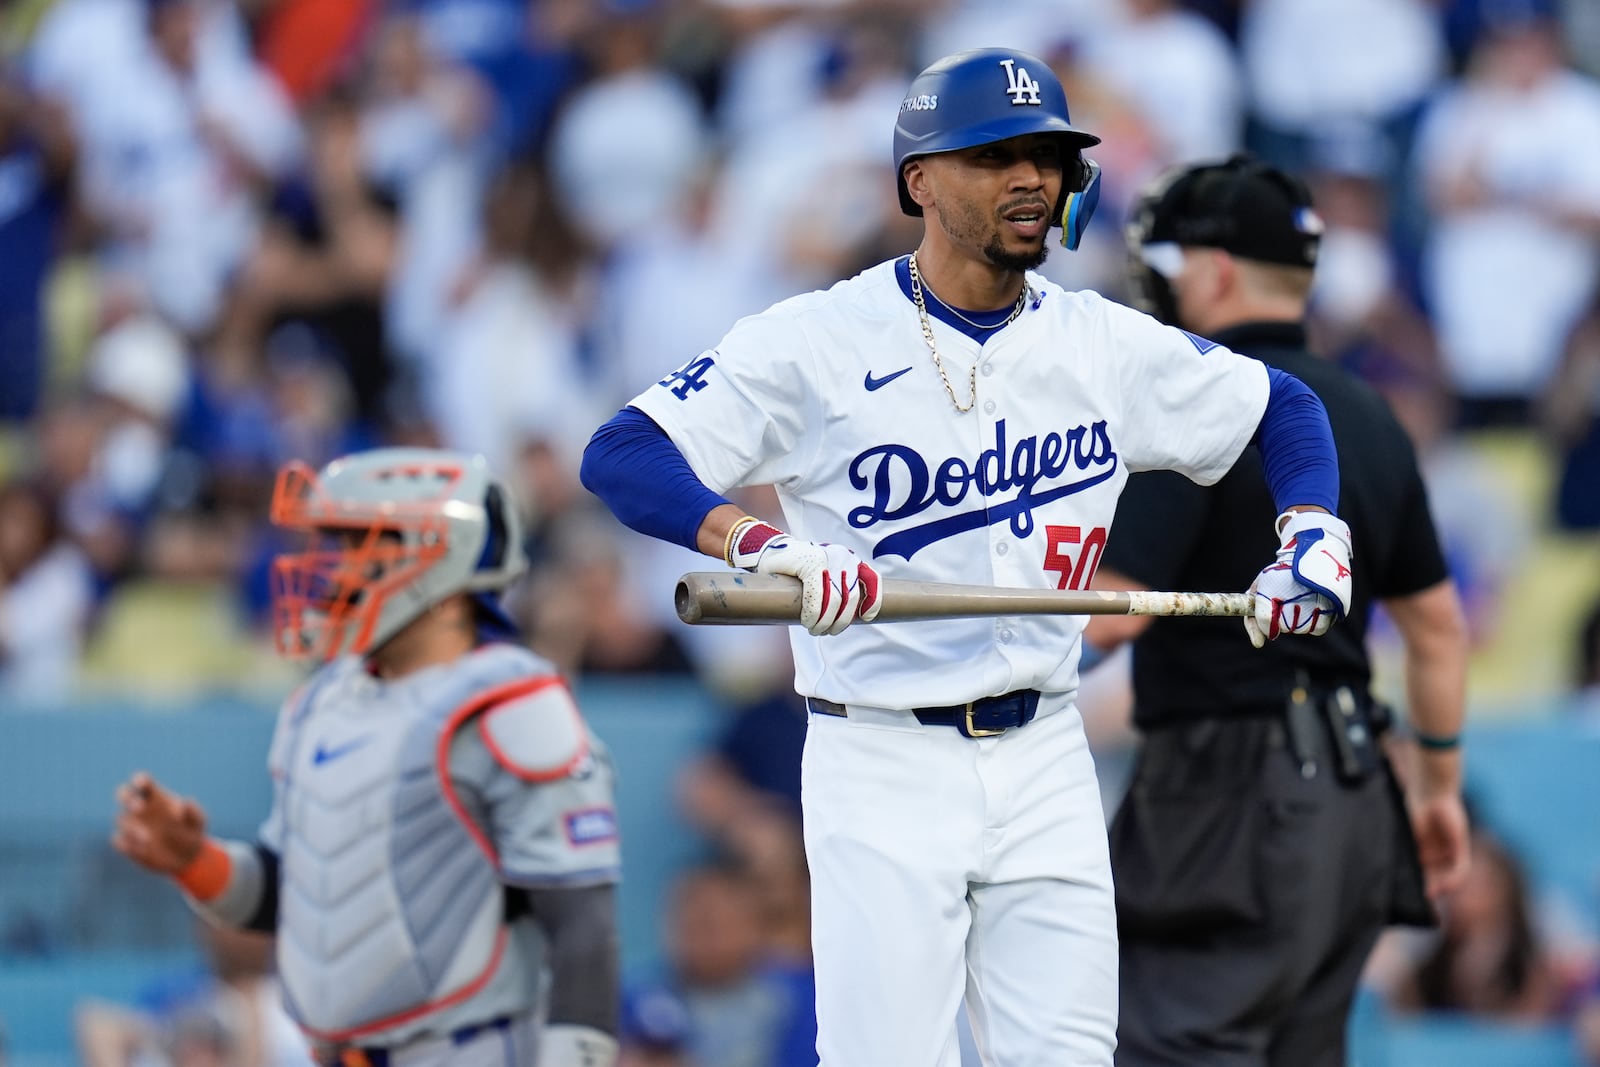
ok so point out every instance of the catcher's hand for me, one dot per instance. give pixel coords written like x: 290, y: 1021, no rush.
x: 837, y: 586
x: 157, y: 829
x: 1307, y: 587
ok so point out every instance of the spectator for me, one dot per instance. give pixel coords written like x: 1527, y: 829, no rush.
x: 46, y: 594
x: 1025, y: 24
x: 228, y: 1014
x: 423, y: 127
x: 1313, y: 65
x: 323, y: 261
x: 507, y: 373
x: 1485, y: 529
x: 1488, y: 959
x: 583, y: 614
x: 1569, y: 414
x: 178, y: 142
x: 754, y: 763
x: 1587, y: 1024
x: 1510, y: 162
x: 715, y: 946
x: 1363, y: 307
x: 37, y: 160
x: 801, y: 201
x: 1586, y: 687
x: 655, y: 1030
x: 768, y: 842
x: 1180, y: 73
x: 627, y: 147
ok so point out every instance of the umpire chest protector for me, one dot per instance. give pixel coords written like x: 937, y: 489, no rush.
x: 391, y: 908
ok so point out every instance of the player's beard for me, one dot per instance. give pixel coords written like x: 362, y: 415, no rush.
x: 966, y: 225
x: 1015, y: 261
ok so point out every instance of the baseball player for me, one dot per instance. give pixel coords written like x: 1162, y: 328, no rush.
x: 443, y: 826
x: 951, y: 415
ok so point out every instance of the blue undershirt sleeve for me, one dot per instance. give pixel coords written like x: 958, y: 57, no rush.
x: 633, y: 466
x: 1297, y: 452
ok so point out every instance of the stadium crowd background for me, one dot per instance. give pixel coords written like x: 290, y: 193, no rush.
x: 234, y: 232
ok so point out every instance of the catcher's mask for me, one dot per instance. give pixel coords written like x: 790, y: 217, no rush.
x: 1240, y: 205
x: 392, y: 532
x: 986, y: 95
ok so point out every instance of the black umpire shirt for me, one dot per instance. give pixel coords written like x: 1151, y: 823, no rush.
x: 1170, y: 533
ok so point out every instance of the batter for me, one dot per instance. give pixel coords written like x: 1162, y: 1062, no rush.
x: 950, y: 415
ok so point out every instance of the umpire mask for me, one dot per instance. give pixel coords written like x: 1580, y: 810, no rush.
x: 1241, y: 206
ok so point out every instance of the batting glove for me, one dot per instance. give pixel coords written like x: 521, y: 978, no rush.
x: 837, y: 586
x: 1307, y: 587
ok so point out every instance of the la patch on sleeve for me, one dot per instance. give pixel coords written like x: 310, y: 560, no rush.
x: 590, y: 826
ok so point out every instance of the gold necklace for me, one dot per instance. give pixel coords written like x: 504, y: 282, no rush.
x: 927, y: 335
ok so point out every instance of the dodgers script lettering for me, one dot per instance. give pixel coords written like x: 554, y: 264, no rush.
x: 903, y: 484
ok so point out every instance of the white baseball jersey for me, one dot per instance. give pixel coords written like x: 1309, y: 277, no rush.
x: 834, y: 398
x: 401, y: 811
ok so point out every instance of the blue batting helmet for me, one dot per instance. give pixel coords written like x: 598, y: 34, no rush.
x: 991, y: 94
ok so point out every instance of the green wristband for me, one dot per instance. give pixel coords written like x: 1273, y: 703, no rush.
x: 1435, y: 743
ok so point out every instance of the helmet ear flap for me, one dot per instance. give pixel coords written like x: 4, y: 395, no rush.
x: 1078, y: 204
x: 502, y: 536
x: 495, y: 534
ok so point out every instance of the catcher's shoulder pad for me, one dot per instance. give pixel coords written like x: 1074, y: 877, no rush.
x: 538, y: 735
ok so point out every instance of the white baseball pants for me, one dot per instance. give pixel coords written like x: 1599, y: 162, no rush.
x: 944, y: 867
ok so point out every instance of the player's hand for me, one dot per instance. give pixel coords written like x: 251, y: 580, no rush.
x: 1439, y: 824
x: 837, y: 586
x: 157, y: 829
x: 1307, y: 587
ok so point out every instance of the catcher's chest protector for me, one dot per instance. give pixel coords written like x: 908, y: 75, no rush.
x: 388, y: 903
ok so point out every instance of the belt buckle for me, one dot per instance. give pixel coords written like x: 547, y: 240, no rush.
x: 973, y: 731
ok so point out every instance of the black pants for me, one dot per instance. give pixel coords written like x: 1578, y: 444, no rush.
x: 1248, y: 898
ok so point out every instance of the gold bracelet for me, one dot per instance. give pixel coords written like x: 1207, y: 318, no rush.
x: 733, y: 533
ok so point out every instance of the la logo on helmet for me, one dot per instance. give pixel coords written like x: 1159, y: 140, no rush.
x: 1020, y: 84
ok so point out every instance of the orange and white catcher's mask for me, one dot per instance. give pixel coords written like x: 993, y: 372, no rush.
x: 392, y: 532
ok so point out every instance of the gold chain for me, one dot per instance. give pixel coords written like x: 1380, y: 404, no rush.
x: 927, y: 335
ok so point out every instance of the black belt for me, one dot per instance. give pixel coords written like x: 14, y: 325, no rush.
x: 984, y: 717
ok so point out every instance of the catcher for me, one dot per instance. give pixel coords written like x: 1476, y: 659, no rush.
x: 443, y: 832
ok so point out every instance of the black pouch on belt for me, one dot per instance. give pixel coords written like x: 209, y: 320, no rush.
x: 1356, y: 756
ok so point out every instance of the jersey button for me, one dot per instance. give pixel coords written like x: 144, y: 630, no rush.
x: 988, y: 369
x: 1005, y: 637
x: 1001, y: 549
x: 988, y: 407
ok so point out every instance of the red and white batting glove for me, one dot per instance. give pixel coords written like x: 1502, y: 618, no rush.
x: 1307, y: 587
x: 837, y: 586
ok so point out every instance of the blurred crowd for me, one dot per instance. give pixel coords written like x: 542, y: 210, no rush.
x: 235, y: 232
x: 240, y: 231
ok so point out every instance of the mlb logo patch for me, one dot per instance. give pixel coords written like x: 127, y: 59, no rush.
x: 590, y: 826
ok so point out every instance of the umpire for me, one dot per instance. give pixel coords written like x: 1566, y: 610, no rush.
x: 1264, y: 842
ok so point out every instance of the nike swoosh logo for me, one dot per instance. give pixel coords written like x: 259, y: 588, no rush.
x: 878, y: 383
x: 328, y: 755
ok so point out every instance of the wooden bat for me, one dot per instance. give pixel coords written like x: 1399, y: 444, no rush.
x: 737, y: 598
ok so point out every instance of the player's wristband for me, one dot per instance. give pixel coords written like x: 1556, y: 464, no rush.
x: 1437, y: 742
x: 208, y: 874
x: 733, y: 535
x: 747, y: 540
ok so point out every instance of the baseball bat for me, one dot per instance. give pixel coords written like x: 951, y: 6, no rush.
x: 737, y: 598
